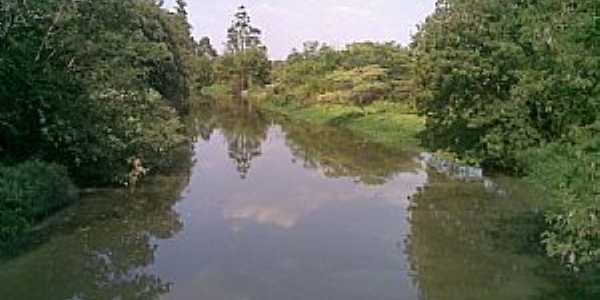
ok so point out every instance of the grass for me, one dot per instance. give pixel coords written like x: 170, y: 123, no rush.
x: 381, y: 122
x: 217, y: 91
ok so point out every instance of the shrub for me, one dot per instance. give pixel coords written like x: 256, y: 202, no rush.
x: 491, y: 86
x: 358, y: 75
x: 96, y: 85
x: 29, y: 192
x: 569, y: 174
x: 125, y: 126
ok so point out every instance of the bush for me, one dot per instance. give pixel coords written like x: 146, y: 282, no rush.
x: 569, y: 175
x: 103, y: 93
x: 491, y: 86
x: 359, y: 75
x: 29, y: 192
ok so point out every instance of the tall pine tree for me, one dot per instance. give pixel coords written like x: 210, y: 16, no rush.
x: 250, y: 56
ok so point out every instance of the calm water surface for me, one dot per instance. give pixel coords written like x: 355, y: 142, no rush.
x: 268, y: 210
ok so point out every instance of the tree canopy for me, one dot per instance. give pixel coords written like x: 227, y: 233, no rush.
x: 246, y: 62
x: 515, y: 85
x: 358, y: 75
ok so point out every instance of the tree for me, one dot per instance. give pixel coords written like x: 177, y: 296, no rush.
x: 515, y: 85
x: 498, y: 78
x: 258, y: 66
x: 358, y: 75
x: 181, y: 8
x: 92, y: 85
x: 205, y: 48
x: 359, y: 86
x: 249, y: 55
x: 242, y: 35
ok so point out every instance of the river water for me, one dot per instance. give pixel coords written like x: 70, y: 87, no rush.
x: 273, y: 210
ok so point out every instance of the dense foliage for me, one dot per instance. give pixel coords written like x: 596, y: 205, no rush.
x: 515, y: 85
x: 90, y: 89
x: 497, y: 78
x: 358, y: 75
x: 29, y: 192
x: 569, y: 173
x: 95, y: 90
x: 93, y: 85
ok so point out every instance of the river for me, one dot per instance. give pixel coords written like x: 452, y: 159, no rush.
x: 265, y: 209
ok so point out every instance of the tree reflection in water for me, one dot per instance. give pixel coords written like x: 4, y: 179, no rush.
x: 467, y: 243
x: 110, y: 239
x: 245, y: 132
x: 462, y: 242
x: 242, y: 149
x: 334, y: 151
x: 340, y: 153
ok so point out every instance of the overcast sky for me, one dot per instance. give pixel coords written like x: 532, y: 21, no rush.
x: 288, y: 23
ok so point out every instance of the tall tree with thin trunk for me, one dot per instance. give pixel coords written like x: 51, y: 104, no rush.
x: 241, y: 35
x: 243, y: 40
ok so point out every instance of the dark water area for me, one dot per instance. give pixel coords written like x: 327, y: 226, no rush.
x: 268, y: 210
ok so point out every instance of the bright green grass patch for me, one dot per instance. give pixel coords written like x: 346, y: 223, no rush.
x: 390, y: 128
x: 217, y: 91
x: 381, y: 122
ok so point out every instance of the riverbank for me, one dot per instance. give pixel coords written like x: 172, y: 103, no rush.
x: 318, y: 203
x: 381, y: 122
x: 93, y: 116
x: 389, y: 124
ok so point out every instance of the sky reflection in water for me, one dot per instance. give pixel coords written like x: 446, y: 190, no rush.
x: 272, y: 211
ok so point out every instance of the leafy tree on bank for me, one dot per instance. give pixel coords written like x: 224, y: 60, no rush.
x: 498, y: 77
x: 91, y: 90
x: 515, y: 85
x: 241, y: 35
x: 93, y: 84
x: 358, y: 75
x: 358, y: 86
x: 245, y: 62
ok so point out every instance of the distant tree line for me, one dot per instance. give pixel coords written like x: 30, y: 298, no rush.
x: 357, y: 75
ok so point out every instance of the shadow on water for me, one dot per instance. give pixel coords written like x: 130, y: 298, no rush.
x: 270, y: 209
x: 468, y: 242
x: 98, y: 248
x: 339, y: 153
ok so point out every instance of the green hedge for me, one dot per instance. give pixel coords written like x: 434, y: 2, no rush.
x: 29, y: 192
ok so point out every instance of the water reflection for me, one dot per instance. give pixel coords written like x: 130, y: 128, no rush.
x: 450, y: 168
x: 274, y: 210
x: 339, y: 153
x: 282, y: 191
x: 467, y: 243
x: 288, y: 231
x: 100, y: 248
x: 244, y: 138
x: 244, y: 131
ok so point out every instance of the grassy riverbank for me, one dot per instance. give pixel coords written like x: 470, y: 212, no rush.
x: 385, y: 123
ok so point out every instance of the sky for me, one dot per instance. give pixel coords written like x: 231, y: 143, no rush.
x: 286, y: 24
